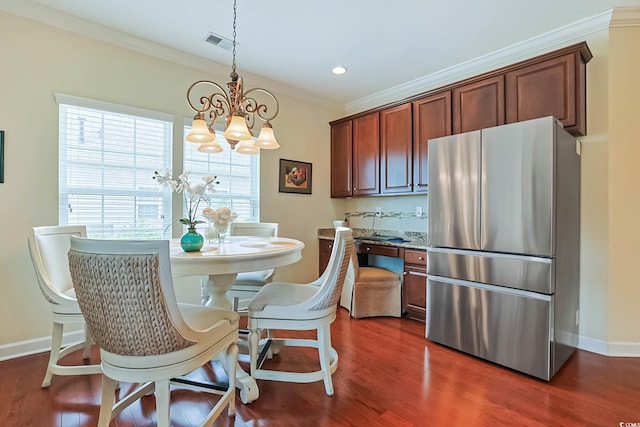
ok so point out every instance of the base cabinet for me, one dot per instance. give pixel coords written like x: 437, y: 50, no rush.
x: 324, y: 253
x: 414, y: 287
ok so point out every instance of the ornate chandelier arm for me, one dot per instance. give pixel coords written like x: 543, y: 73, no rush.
x: 217, y: 103
x: 261, y: 109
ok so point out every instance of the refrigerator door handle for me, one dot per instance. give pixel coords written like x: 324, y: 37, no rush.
x: 492, y: 288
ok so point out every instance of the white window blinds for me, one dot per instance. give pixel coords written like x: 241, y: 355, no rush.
x: 107, y: 156
x: 239, y: 176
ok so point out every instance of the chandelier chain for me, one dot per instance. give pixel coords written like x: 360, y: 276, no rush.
x: 233, y: 65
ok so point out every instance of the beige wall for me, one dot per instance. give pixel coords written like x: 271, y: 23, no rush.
x: 624, y: 190
x: 594, y: 213
x: 38, y: 61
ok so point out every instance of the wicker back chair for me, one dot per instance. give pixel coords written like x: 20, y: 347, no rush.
x: 125, y: 291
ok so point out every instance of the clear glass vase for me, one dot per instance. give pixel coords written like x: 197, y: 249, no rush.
x: 222, y: 229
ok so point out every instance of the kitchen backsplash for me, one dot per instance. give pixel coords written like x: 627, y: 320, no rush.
x: 396, y: 213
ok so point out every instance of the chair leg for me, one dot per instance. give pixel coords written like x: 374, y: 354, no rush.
x: 232, y: 363
x: 162, y: 403
x: 87, y: 344
x: 324, y: 344
x: 254, y: 342
x: 56, y: 344
x: 108, y: 399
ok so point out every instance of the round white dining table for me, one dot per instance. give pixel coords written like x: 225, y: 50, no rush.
x: 219, y: 264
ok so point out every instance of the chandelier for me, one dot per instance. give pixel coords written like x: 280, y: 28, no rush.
x: 240, y: 110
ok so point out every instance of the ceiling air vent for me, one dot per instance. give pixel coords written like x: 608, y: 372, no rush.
x: 219, y: 41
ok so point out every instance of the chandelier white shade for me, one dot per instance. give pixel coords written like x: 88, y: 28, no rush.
x: 240, y: 110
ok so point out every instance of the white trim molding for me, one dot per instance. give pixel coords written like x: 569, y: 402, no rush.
x: 610, y: 349
x: 38, y: 345
x: 543, y: 43
x: 593, y: 345
x: 624, y: 349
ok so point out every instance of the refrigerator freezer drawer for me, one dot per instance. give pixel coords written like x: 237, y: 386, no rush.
x: 514, y: 271
x: 508, y: 327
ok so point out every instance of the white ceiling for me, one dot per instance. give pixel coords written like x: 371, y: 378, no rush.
x: 382, y: 43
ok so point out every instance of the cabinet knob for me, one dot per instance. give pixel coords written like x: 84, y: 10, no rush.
x: 330, y: 246
x: 405, y: 273
x: 420, y: 258
x: 368, y: 249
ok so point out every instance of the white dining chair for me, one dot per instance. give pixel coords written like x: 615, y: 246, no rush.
x: 248, y: 284
x: 311, y: 306
x: 125, y: 291
x: 48, y: 247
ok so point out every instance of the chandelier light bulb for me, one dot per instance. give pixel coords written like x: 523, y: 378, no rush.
x: 247, y: 147
x: 237, y: 129
x: 200, y: 133
x: 266, y: 138
x: 210, y: 148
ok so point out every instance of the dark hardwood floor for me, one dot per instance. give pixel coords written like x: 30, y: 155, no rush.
x: 388, y: 375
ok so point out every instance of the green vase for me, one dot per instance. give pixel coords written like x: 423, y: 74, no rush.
x: 192, y: 241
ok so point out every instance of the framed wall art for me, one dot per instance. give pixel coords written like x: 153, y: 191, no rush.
x: 1, y: 156
x: 295, y: 177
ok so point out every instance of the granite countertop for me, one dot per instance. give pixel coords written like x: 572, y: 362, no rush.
x: 411, y: 240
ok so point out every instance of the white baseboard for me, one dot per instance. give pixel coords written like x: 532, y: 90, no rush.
x: 41, y: 345
x: 593, y: 345
x: 624, y: 349
x: 611, y: 349
x: 34, y: 346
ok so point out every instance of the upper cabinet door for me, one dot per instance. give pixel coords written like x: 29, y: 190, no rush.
x: 341, y: 157
x: 431, y: 119
x: 554, y: 87
x: 478, y: 105
x: 366, y: 154
x: 396, y: 149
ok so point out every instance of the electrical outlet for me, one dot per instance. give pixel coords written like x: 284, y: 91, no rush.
x: 419, y: 212
x: 378, y: 212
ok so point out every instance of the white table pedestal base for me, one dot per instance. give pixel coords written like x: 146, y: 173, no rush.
x: 213, y: 293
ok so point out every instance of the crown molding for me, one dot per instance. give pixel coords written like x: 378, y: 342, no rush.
x: 543, y: 43
x: 626, y: 17
x: 51, y: 17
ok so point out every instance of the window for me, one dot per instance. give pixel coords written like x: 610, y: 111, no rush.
x: 239, y: 176
x: 107, y: 156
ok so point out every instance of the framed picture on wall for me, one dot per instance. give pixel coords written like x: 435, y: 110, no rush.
x: 1, y: 156
x: 295, y: 177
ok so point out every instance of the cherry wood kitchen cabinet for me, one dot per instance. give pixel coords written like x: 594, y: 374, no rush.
x: 414, y: 286
x: 369, y: 155
x: 396, y: 148
x: 479, y: 104
x: 431, y: 119
x: 366, y: 155
x: 554, y: 86
x: 324, y: 253
x: 341, y: 158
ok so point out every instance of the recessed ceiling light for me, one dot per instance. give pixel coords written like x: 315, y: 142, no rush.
x: 339, y: 70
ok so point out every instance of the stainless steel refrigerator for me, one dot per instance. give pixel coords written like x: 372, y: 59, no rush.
x: 503, y: 258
